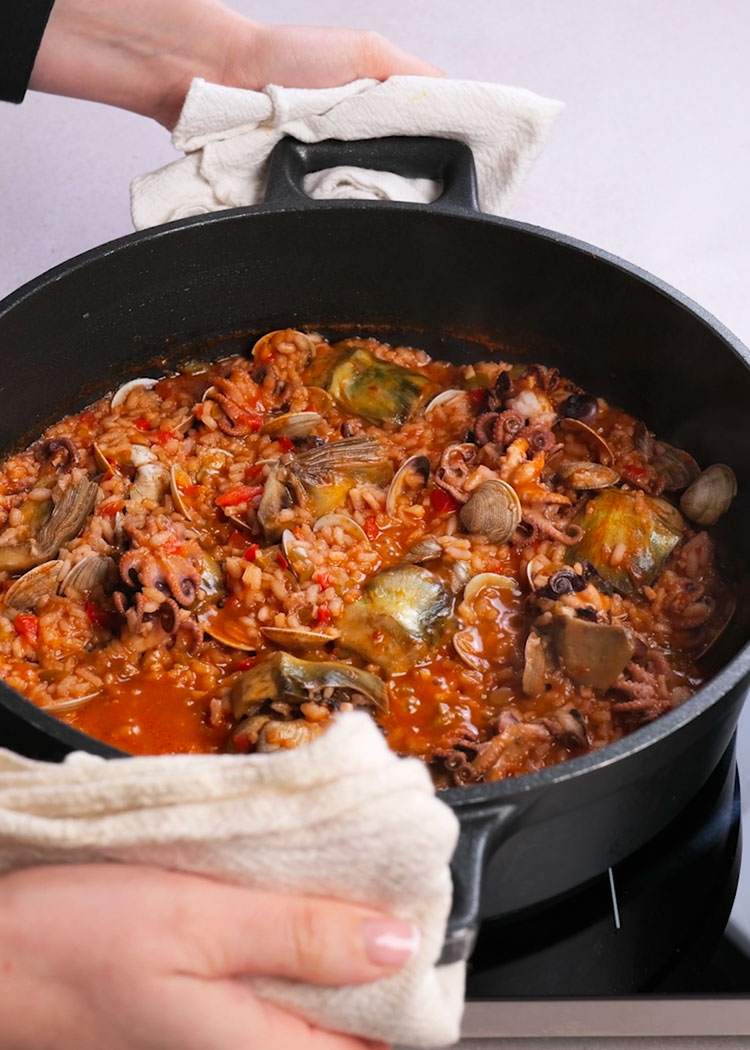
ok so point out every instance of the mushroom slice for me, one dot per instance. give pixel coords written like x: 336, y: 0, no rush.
x: 92, y: 571
x: 297, y: 638
x: 710, y: 495
x: 493, y: 509
x: 487, y: 579
x: 588, y: 435
x: 400, y: 617
x: 343, y: 522
x: 292, y: 425
x: 26, y: 593
x: 410, y: 478
x: 279, y: 493
x: 120, y: 396
x: 593, y: 654
x: 534, y: 665
x: 284, y: 677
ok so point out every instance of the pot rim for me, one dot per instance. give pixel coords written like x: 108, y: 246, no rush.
x: 730, y: 676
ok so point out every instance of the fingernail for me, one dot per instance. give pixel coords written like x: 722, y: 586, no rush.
x: 390, y: 942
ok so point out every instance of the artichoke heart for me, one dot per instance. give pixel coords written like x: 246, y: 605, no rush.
x: 400, y: 617
x: 284, y: 677
x: 630, y: 530
x: 376, y: 390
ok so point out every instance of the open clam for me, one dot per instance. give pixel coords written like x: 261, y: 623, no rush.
x: 223, y: 626
x: 583, y: 475
x: 345, y: 523
x: 26, y: 593
x: 213, y: 462
x: 284, y: 736
x: 677, y: 468
x: 297, y: 639
x: 400, y: 617
x: 284, y: 677
x: 296, y: 553
x: 120, y: 395
x: 463, y: 643
x: 428, y: 549
x: 179, y: 479
x: 444, y: 398
x: 482, y: 580
x: 292, y: 425
x: 493, y: 509
x: 410, y: 478
x: 583, y: 432
x: 95, y: 570
x: 150, y: 483
x: 286, y: 341
x: 710, y: 495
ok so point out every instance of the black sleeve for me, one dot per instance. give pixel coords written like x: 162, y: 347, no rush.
x: 22, y: 25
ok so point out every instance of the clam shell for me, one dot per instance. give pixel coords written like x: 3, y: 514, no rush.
x: 296, y: 554
x: 297, y: 638
x: 269, y: 341
x: 343, y: 522
x: 61, y: 707
x: 718, y: 626
x: 34, y: 585
x: 428, y: 549
x: 88, y: 573
x: 710, y: 495
x: 413, y: 467
x: 319, y: 399
x: 226, y: 631
x: 120, y: 395
x: 442, y: 399
x: 100, y: 458
x: 677, y: 467
x: 583, y: 475
x: 213, y: 462
x: 292, y: 425
x: 464, y: 650
x: 487, y: 579
x: 179, y: 477
x: 493, y: 509
x: 594, y: 441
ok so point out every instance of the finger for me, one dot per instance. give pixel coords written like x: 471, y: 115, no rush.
x: 303, y: 938
x: 377, y: 57
x: 227, y: 1015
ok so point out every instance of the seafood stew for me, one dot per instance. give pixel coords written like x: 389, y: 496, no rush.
x: 502, y: 568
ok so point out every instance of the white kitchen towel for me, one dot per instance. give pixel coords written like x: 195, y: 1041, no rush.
x: 367, y: 824
x: 228, y: 133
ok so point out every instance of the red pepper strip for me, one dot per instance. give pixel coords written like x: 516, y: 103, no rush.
x: 141, y: 423
x: 286, y: 444
x: 477, y: 396
x: 27, y: 626
x: 247, y: 663
x: 371, y: 527
x: 253, y: 472
x: 239, y: 494
x: 174, y: 546
x: 443, y: 502
x: 98, y: 616
x: 281, y: 560
x: 323, y: 614
x: 252, y: 552
x: 237, y: 539
x: 111, y: 508
x: 161, y: 437
x: 322, y: 579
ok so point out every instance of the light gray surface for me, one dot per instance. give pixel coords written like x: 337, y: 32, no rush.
x: 651, y: 159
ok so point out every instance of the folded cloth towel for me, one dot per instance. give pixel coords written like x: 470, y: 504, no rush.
x: 365, y: 821
x: 228, y: 133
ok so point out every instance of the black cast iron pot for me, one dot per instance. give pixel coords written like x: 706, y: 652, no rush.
x: 452, y: 280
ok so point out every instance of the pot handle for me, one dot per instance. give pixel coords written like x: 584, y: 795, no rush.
x: 481, y: 828
x: 410, y: 156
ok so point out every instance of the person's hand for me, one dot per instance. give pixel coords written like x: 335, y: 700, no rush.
x: 142, y: 54
x: 115, y: 957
